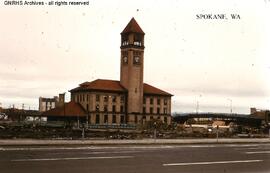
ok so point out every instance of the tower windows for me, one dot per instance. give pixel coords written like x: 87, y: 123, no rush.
x: 136, y: 60
x: 125, y: 43
x: 125, y: 57
x: 137, y: 57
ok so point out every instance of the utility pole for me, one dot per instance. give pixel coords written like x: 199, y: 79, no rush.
x: 230, y: 105
x: 217, y: 132
x: 197, y: 107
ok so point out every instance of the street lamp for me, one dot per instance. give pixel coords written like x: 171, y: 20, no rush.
x: 230, y: 105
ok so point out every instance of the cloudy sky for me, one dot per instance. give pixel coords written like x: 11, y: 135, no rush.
x: 46, y: 50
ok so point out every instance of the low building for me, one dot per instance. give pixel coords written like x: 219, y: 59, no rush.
x: 106, y: 103
x: 46, y: 104
x: 69, y: 112
x: 261, y: 113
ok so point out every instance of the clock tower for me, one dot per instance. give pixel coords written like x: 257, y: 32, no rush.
x: 132, y: 61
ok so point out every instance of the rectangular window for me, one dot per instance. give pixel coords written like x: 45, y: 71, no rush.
x: 105, y: 98
x: 122, y: 119
x: 105, y: 109
x: 165, y: 120
x: 165, y: 101
x: 122, y: 108
x: 144, y: 100
x: 106, y: 118
x: 114, y: 108
x: 114, y: 119
x: 97, y: 118
x: 122, y: 99
x: 151, y: 118
x: 144, y: 110
x: 114, y: 99
x: 77, y: 98
x: 165, y: 110
x: 97, y: 98
x: 97, y: 108
x: 83, y: 98
x: 158, y: 110
x: 136, y: 119
x: 151, y: 110
x: 158, y: 101
x: 151, y: 101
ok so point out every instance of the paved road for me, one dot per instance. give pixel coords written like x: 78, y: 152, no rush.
x: 211, y: 158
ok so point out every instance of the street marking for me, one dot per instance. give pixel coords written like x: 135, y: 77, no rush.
x: 113, y: 152
x: 258, y: 152
x: 246, y: 148
x: 72, y: 158
x: 210, y: 163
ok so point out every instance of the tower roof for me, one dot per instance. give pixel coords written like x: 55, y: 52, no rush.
x: 132, y: 26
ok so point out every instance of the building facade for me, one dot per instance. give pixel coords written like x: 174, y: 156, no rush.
x: 46, y: 104
x: 130, y: 100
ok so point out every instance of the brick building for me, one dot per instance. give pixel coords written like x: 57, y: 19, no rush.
x: 128, y: 101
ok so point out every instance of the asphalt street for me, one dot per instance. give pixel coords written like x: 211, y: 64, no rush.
x: 208, y: 158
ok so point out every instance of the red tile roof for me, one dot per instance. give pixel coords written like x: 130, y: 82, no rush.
x: 115, y: 86
x: 132, y: 26
x: 101, y: 85
x: 70, y: 109
x: 148, y: 89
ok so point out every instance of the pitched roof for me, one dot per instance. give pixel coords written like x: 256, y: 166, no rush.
x: 151, y: 90
x: 101, y: 85
x: 115, y: 86
x: 70, y: 109
x: 132, y: 26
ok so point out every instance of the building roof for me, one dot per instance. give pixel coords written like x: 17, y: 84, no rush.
x: 101, y: 85
x: 115, y: 86
x: 151, y: 90
x: 132, y: 27
x: 70, y: 109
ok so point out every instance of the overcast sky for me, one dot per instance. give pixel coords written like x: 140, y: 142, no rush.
x: 47, y: 50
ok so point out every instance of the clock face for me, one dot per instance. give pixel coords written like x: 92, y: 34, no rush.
x: 136, y: 60
x: 125, y: 59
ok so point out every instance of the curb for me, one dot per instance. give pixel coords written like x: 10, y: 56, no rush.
x: 33, y: 142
